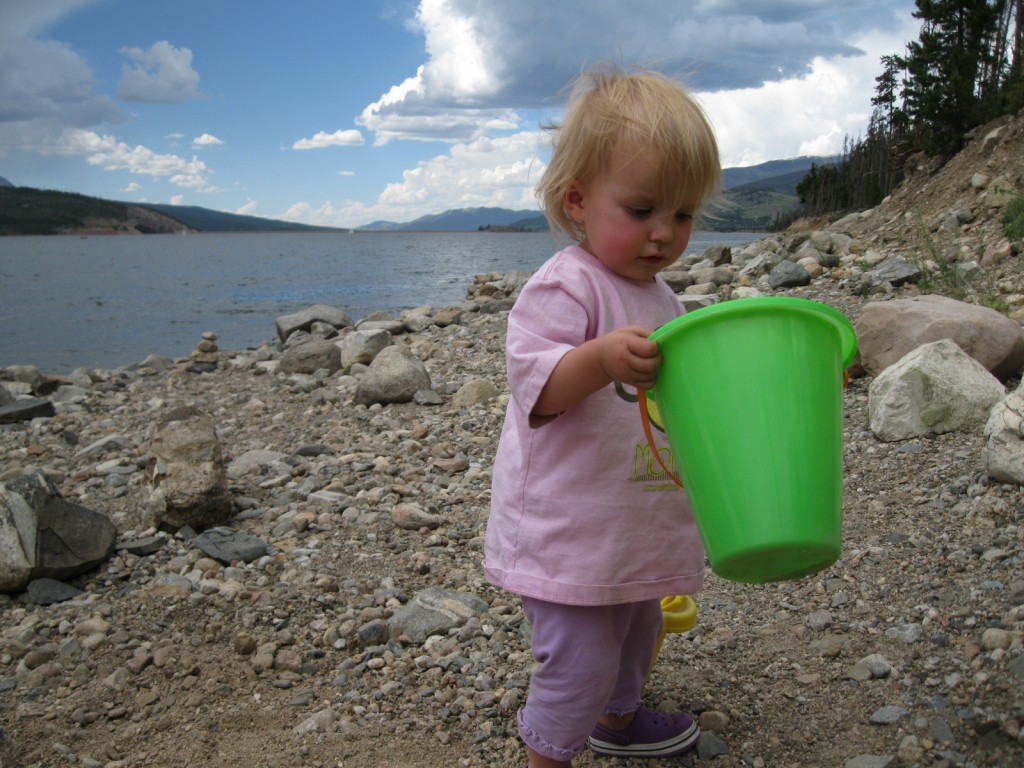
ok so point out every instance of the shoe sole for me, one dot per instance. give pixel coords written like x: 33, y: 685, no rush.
x: 678, y: 744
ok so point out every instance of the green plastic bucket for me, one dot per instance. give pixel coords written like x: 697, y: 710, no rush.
x: 750, y: 397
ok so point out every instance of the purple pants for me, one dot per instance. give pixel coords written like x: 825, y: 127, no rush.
x: 594, y: 659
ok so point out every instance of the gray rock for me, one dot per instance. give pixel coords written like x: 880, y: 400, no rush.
x: 72, y: 539
x: 18, y: 536
x: 448, y: 316
x: 869, y: 761
x: 717, y: 275
x: 116, y: 443
x: 905, y: 633
x: 935, y: 388
x: 940, y: 731
x: 1003, y: 452
x: 888, y: 715
x: 427, y: 397
x: 787, y: 274
x: 27, y: 374
x: 310, y: 357
x: 678, y: 280
x: 718, y: 255
x: 710, y: 745
x: 474, y: 392
x: 412, y: 517
x: 144, y: 546
x: 373, y: 632
x: 303, y: 320
x: 43, y: 535
x: 49, y: 591
x: 253, y: 461
x: 187, y: 471
x: 434, y: 611
x: 25, y: 409
x: 229, y: 546
x: 394, y: 376
x: 362, y: 346
x: 895, y: 272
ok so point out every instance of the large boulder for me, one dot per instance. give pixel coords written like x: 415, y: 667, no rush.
x: 1003, y: 453
x: 935, y: 388
x: 362, y: 346
x: 310, y: 357
x: 187, y: 471
x: 304, y: 319
x: 45, y: 536
x: 888, y: 330
x: 394, y: 376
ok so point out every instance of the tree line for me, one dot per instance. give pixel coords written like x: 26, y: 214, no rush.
x: 965, y: 69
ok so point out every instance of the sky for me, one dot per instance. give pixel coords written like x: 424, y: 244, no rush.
x: 344, y: 112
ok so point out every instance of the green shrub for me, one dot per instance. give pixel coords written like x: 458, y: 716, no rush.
x: 1013, y: 219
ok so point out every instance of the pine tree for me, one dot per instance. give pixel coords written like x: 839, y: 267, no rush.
x: 944, y: 94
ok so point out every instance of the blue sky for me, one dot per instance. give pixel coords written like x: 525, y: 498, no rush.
x: 342, y: 112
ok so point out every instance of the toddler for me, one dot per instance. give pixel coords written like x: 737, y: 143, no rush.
x: 584, y: 526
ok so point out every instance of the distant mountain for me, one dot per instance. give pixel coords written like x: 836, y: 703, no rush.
x: 754, y: 196
x: 206, y: 220
x: 29, y: 211
x: 738, y: 177
x: 458, y: 220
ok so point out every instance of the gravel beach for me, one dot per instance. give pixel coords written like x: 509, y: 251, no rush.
x: 906, y: 652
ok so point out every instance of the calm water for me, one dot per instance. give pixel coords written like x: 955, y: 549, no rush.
x: 106, y: 301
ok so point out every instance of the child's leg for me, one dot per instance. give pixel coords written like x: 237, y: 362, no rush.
x: 580, y: 650
x: 635, y: 660
x: 627, y: 729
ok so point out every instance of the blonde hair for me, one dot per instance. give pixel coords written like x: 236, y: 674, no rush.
x: 613, y: 111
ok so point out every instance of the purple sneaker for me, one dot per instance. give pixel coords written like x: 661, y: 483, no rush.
x: 651, y: 734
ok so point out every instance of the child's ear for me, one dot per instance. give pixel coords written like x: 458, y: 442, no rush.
x: 574, y: 197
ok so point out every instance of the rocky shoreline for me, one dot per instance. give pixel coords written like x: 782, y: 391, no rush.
x: 363, y: 632
x: 906, y: 652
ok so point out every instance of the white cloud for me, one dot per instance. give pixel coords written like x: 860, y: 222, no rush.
x: 485, y: 66
x: 808, y: 115
x: 500, y: 172
x: 45, y: 85
x: 161, y: 75
x: 177, y: 199
x: 322, y: 139
x: 248, y: 209
x: 206, y: 140
x: 132, y: 187
x: 115, y: 155
x: 346, y: 173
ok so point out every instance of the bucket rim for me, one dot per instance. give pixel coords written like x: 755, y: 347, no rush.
x: 759, y: 305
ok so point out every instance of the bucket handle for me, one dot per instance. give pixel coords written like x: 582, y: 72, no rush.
x: 645, y: 418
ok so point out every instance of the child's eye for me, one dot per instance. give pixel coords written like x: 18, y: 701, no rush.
x: 683, y: 216
x: 638, y: 213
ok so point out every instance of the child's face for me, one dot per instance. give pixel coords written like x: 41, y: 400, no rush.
x: 629, y: 224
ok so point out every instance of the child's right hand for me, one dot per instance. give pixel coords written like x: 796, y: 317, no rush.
x: 624, y: 355
x: 627, y: 355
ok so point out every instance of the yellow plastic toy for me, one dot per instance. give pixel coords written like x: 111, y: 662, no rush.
x: 680, y: 613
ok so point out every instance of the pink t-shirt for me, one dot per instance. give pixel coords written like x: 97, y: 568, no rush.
x: 581, y: 512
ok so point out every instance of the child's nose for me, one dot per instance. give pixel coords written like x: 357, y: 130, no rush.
x: 662, y: 230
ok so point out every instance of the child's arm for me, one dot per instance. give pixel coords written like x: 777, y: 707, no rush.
x: 625, y: 355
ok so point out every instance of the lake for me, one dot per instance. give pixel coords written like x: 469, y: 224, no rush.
x: 105, y: 301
